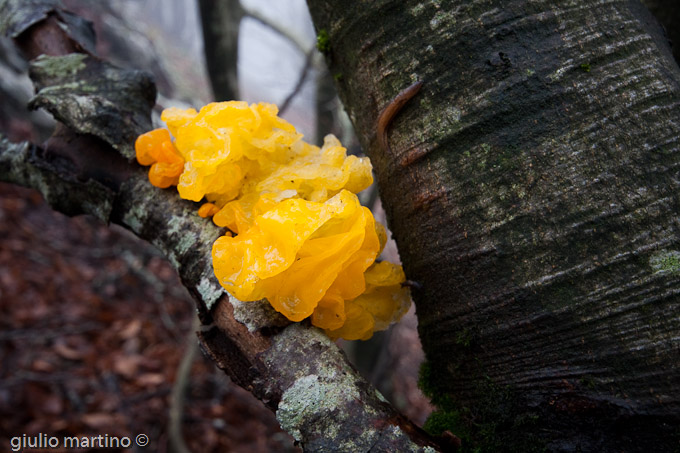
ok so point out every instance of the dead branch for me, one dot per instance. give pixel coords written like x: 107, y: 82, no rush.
x: 293, y: 368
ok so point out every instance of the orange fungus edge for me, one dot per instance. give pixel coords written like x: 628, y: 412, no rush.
x: 208, y: 210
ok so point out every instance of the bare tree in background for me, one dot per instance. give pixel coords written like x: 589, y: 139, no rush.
x: 221, y: 23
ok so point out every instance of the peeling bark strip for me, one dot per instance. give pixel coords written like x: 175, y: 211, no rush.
x: 546, y: 315
x: 94, y: 97
x: 18, y: 16
x: 296, y: 370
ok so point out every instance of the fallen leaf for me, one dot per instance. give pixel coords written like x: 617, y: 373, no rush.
x: 127, y: 365
x: 67, y: 352
x: 150, y: 379
x: 131, y: 330
x: 100, y: 420
x: 42, y: 365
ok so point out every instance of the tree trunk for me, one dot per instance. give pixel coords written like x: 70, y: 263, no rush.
x: 532, y: 187
x: 221, y: 21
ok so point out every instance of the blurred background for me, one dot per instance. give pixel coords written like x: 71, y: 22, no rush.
x: 96, y: 331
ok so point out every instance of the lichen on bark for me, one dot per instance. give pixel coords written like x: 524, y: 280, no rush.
x: 94, y: 97
x: 320, y: 394
x: 546, y: 187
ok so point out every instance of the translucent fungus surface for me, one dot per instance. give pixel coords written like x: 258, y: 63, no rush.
x: 300, y: 239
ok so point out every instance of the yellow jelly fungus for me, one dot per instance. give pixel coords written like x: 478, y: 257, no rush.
x: 301, y: 238
x: 155, y: 148
x: 208, y: 210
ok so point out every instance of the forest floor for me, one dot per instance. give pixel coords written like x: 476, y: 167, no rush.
x: 93, y: 325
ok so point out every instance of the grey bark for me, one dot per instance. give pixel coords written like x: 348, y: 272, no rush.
x: 293, y: 368
x: 532, y: 188
x: 93, y: 97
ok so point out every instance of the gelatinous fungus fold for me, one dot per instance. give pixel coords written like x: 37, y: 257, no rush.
x: 301, y: 239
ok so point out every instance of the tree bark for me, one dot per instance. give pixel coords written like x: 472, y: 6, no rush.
x: 532, y: 188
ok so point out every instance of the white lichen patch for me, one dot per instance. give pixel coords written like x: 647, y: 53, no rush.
x: 257, y: 315
x: 312, y: 397
x: 328, y: 406
x: 452, y: 114
x: 135, y: 218
x: 177, y: 228
x: 210, y: 291
x: 175, y: 225
x: 395, y: 432
x: 417, y: 10
x: 322, y: 391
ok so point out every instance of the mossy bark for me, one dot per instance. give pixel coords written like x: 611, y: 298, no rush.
x: 532, y: 188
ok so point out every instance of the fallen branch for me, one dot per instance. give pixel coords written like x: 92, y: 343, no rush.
x: 293, y: 368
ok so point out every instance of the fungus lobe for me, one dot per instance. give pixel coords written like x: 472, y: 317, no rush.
x: 301, y: 239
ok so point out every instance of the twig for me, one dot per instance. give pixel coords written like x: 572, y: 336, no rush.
x: 297, y: 40
x: 177, y: 399
x: 301, y: 81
